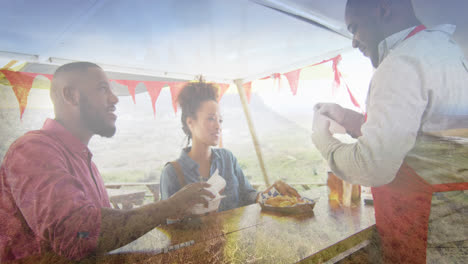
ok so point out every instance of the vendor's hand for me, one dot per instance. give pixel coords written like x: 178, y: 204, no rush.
x: 321, y: 124
x: 332, y: 111
x: 350, y: 120
x: 284, y: 189
x: 189, y: 196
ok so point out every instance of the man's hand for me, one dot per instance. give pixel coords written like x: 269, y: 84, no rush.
x: 321, y: 124
x: 189, y: 196
x: 284, y: 189
x: 350, y: 120
x: 136, y: 222
x: 331, y: 110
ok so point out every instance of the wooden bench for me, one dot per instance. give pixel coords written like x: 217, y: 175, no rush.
x: 153, y: 187
x: 126, y: 198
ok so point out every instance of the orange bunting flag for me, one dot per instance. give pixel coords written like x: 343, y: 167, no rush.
x: 293, y: 80
x: 21, y: 85
x: 176, y: 87
x: 154, y: 89
x: 223, y: 87
x: 248, y: 90
x: 131, y: 87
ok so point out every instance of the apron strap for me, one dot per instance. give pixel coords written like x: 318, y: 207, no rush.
x: 179, y: 173
x: 450, y: 187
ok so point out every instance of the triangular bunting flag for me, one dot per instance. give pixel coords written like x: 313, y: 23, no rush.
x: 49, y: 76
x: 131, y: 87
x: 248, y: 90
x: 293, y: 80
x: 32, y: 74
x: 337, y: 81
x: 21, y: 85
x: 277, y: 79
x: 176, y: 87
x: 38, y: 83
x: 351, y: 96
x: 223, y: 87
x: 353, y: 99
x: 154, y: 89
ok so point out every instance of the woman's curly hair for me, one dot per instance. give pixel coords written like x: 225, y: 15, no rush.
x: 190, y: 99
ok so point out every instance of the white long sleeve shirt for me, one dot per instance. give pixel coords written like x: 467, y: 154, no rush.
x: 419, y: 88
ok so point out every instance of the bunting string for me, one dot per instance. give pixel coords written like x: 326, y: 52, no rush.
x: 21, y: 83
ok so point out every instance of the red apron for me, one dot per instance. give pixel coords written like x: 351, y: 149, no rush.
x: 402, y: 210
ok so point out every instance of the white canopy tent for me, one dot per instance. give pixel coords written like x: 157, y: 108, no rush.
x: 223, y: 40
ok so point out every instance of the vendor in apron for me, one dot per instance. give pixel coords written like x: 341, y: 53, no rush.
x: 412, y: 142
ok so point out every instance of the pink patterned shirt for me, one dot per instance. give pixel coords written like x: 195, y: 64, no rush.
x: 51, y: 195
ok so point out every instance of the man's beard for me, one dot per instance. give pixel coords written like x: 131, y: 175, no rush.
x: 93, y: 121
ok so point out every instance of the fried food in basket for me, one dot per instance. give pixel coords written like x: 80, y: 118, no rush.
x: 284, y: 201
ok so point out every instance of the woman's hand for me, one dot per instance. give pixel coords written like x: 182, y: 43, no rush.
x: 284, y: 189
x: 189, y: 196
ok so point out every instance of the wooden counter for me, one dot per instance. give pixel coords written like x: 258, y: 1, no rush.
x: 248, y: 235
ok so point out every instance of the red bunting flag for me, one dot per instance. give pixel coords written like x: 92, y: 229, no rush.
x: 154, y: 89
x: 176, y: 87
x: 21, y: 85
x: 223, y: 87
x: 48, y: 76
x: 277, y: 79
x: 131, y: 87
x: 248, y: 90
x: 337, y: 82
x: 353, y: 99
x: 336, y: 60
x: 351, y: 96
x: 293, y: 80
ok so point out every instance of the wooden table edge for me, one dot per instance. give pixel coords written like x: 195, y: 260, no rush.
x: 340, y: 247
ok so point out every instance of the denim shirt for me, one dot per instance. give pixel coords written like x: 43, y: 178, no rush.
x: 238, y: 190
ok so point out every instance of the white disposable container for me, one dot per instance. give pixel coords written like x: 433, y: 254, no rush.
x: 217, y: 184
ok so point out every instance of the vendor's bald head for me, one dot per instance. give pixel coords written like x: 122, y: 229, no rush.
x: 371, y: 21
x: 82, y: 96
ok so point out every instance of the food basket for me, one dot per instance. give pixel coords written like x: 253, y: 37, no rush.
x: 305, y: 204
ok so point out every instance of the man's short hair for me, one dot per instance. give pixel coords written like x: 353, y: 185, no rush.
x: 80, y: 66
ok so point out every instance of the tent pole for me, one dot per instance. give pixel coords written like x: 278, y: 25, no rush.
x: 245, y: 106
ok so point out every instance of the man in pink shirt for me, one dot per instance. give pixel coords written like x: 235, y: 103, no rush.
x: 52, y: 197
